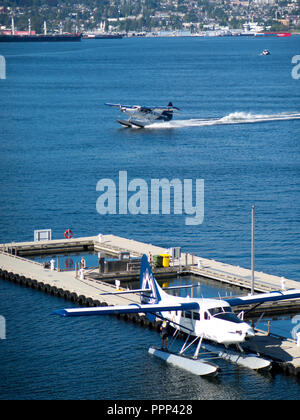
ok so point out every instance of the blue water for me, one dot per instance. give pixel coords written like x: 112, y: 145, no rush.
x: 238, y: 129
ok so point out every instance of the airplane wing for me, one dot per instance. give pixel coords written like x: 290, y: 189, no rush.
x: 146, y: 109
x: 127, y: 309
x: 264, y: 297
x: 118, y: 105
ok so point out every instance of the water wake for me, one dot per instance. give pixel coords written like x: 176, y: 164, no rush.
x: 233, y: 118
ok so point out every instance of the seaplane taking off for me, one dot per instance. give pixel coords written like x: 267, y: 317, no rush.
x: 199, y: 318
x: 140, y: 116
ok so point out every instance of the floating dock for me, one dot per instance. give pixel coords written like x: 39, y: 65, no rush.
x: 94, y: 288
x: 188, y: 263
x: 282, y: 351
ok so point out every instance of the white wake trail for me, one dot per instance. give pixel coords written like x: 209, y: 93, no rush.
x: 233, y: 118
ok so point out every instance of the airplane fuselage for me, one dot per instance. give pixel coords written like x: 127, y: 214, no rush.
x: 214, y: 321
x: 147, y: 115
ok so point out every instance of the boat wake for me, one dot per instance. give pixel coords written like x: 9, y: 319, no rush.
x: 233, y: 118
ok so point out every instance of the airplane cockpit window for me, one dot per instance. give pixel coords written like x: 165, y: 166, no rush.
x: 214, y: 311
x: 229, y: 316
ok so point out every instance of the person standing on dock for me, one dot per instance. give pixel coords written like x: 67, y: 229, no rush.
x: 82, y: 268
x: 52, y: 264
x: 83, y: 263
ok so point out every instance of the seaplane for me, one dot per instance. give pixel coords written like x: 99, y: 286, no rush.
x: 141, y: 116
x: 205, y: 322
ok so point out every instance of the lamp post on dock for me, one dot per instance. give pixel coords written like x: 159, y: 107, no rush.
x: 253, y: 250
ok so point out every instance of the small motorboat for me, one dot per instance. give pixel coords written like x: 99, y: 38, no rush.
x: 265, y: 52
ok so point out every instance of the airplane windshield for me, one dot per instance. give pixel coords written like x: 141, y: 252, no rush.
x: 214, y: 311
x: 228, y: 316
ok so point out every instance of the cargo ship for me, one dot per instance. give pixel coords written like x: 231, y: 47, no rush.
x: 39, y: 37
x: 13, y: 35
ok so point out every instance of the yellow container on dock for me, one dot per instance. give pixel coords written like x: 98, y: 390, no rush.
x: 166, y: 260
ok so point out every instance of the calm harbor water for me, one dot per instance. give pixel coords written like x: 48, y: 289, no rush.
x: 238, y: 129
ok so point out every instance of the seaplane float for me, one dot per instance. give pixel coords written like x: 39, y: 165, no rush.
x: 207, y: 323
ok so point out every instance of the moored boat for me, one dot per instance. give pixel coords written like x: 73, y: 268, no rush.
x: 278, y: 34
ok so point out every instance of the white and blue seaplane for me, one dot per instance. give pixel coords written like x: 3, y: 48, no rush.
x: 141, y: 116
x: 206, y: 322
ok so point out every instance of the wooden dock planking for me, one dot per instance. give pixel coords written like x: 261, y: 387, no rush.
x: 65, y: 280
x: 113, y: 245
x: 48, y: 247
x: 279, y: 349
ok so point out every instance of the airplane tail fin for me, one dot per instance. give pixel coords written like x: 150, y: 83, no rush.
x: 148, y: 281
x: 167, y: 115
